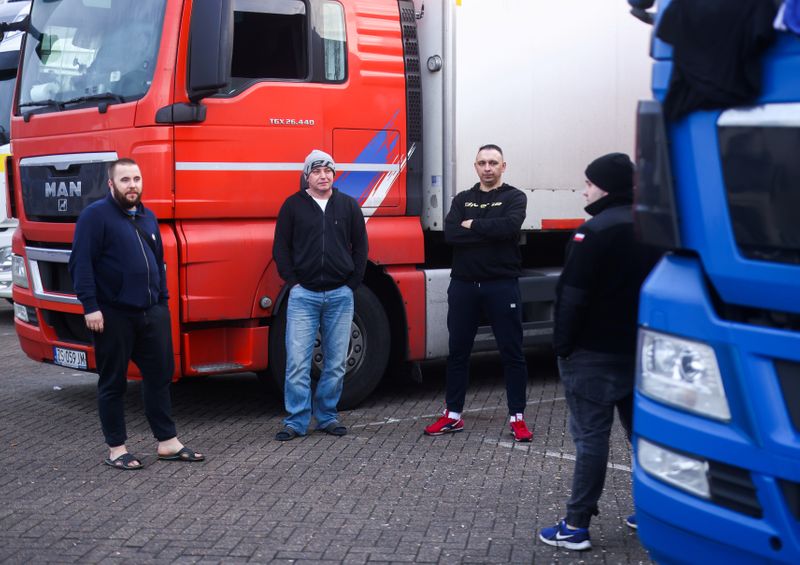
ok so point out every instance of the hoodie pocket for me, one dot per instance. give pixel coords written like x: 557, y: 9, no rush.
x: 134, y: 290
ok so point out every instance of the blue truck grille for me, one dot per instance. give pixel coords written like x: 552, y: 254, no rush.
x: 789, y: 378
x: 791, y: 492
x: 733, y: 488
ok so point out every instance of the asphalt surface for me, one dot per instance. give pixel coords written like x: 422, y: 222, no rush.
x: 385, y: 493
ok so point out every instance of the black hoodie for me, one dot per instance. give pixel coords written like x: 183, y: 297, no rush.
x: 490, y: 248
x: 320, y: 251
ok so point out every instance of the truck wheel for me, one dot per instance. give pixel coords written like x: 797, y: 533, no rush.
x: 367, y: 354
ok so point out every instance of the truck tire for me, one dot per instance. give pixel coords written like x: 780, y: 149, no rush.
x: 367, y: 354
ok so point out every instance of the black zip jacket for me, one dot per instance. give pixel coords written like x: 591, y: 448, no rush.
x: 320, y: 251
x: 110, y: 264
x: 597, y: 296
x: 490, y: 248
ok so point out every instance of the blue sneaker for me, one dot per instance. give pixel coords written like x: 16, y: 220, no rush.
x: 562, y: 536
x: 630, y: 521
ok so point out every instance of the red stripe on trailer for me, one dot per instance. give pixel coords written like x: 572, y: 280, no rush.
x: 565, y: 224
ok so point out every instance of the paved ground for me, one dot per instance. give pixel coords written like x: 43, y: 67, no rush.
x: 383, y: 494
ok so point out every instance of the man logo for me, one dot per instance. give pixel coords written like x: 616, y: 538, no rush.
x: 62, y: 204
x: 60, y: 189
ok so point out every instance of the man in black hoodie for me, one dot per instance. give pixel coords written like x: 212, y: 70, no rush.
x: 483, y: 226
x: 320, y: 250
x: 597, y: 299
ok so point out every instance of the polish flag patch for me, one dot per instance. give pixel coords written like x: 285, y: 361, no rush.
x: 578, y: 237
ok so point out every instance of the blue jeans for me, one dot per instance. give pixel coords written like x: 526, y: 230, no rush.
x: 594, y: 384
x: 330, y: 312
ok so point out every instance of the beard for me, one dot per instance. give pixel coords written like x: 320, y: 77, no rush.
x: 123, y: 201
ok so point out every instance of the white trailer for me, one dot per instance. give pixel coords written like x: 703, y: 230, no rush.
x: 555, y: 84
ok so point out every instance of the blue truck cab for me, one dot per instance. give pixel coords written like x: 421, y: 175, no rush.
x: 717, y: 403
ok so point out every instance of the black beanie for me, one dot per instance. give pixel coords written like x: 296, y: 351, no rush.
x: 612, y: 173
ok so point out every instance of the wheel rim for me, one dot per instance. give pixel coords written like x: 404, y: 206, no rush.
x: 355, y: 350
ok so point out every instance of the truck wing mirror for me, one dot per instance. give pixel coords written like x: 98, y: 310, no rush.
x: 639, y: 10
x: 210, y: 48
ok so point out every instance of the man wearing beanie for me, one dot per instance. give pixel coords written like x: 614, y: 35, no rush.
x: 595, y: 336
x: 483, y: 226
x: 320, y: 250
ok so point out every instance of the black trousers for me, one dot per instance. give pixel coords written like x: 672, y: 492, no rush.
x: 142, y: 337
x: 500, y: 301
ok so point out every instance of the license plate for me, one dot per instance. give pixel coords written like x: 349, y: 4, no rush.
x: 69, y: 358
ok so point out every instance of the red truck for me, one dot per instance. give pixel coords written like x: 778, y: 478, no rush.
x: 220, y: 101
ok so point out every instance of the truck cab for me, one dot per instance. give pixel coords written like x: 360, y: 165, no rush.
x: 717, y: 402
x: 219, y: 102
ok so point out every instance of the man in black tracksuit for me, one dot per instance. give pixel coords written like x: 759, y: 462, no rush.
x: 117, y: 269
x: 320, y: 250
x: 483, y: 226
x: 597, y: 299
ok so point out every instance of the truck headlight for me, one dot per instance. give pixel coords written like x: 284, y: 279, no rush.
x: 676, y: 469
x: 19, y: 274
x: 681, y: 372
x: 5, y: 259
x: 26, y: 313
x: 21, y: 312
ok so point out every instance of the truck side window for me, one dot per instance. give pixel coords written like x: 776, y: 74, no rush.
x: 288, y: 40
x: 269, y: 41
x: 332, y: 32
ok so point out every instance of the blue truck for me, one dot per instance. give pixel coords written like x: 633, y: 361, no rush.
x: 717, y: 403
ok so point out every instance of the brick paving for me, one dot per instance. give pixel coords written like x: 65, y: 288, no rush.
x: 385, y: 493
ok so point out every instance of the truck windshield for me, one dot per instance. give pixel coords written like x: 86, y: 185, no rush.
x: 762, y: 184
x: 83, y: 52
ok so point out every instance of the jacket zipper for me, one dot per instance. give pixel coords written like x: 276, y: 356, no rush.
x: 322, y: 258
x: 146, y: 263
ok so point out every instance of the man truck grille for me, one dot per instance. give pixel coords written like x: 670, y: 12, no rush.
x: 789, y: 378
x: 68, y: 327
x: 57, y: 188
x: 733, y: 488
x: 791, y: 492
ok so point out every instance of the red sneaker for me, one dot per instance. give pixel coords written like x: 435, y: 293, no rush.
x: 520, y: 431
x: 444, y: 425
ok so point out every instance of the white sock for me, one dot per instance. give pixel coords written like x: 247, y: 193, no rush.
x: 515, y: 417
x: 453, y: 415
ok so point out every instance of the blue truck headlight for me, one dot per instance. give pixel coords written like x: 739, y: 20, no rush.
x: 676, y: 469
x: 19, y: 274
x: 681, y: 372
